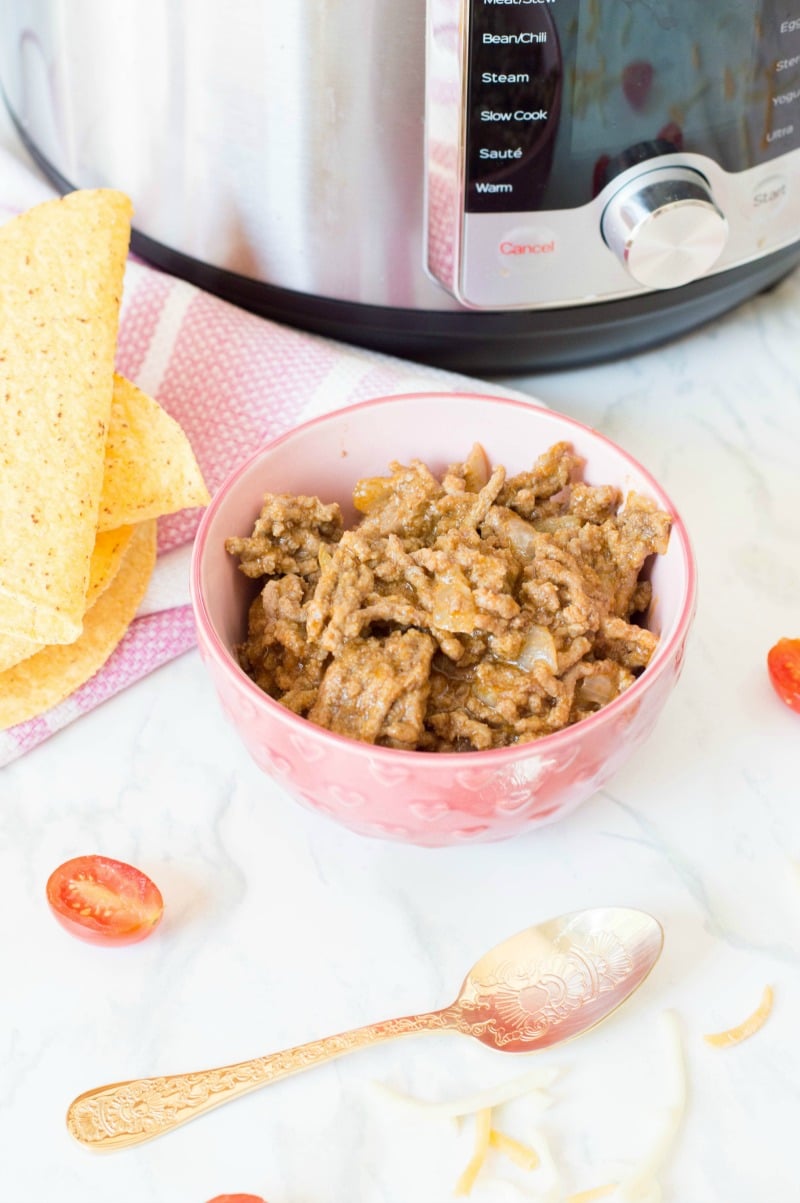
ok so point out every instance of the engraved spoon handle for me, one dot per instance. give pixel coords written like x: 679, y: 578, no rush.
x: 128, y: 1113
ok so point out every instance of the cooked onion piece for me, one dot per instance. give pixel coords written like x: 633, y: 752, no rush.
x: 597, y: 690
x: 476, y: 469
x: 539, y: 645
x: 748, y: 1027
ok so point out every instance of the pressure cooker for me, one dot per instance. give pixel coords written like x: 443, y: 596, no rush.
x: 483, y: 184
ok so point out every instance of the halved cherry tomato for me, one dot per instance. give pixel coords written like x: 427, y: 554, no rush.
x: 783, y: 663
x: 237, y: 1199
x: 104, y: 901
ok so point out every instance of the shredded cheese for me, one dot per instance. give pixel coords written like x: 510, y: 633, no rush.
x: 481, y: 1105
x: 522, y: 1155
x: 548, y: 1169
x: 483, y: 1127
x: 596, y: 1192
x: 642, y: 1185
x: 748, y: 1027
x: 533, y: 1085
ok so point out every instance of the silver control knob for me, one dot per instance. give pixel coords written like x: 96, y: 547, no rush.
x: 665, y: 227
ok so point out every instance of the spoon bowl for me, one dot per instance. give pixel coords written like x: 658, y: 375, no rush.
x: 552, y: 982
x: 547, y: 984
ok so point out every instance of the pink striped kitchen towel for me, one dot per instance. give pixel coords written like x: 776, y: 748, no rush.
x: 233, y: 381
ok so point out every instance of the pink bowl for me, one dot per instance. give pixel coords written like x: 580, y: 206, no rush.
x: 423, y: 798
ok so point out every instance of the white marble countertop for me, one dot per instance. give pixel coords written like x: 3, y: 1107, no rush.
x: 281, y: 927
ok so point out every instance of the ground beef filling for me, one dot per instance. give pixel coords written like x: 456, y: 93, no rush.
x: 468, y: 612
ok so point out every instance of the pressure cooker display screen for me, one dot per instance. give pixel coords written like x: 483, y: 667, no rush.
x: 667, y: 70
x: 566, y: 94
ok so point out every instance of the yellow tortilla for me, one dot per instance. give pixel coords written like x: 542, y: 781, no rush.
x: 61, y: 272
x: 150, y: 467
x: 44, y: 680
x: 109, y: 549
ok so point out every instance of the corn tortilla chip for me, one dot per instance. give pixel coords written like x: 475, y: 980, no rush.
x: 14, y: 648
x: 150, y: 468
x: 109, y: 549
x: 61, y: 272
x: 37, y: 684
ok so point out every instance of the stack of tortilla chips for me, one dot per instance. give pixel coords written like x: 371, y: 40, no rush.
x: 87, y: 461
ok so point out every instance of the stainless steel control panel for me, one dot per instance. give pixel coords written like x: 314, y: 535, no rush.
x: 578, y: 153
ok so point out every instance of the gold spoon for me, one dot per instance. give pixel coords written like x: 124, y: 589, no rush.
x: 547, y: 984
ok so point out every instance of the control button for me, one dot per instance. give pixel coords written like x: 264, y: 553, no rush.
x: 769, y: 196
x: 664, y: 227
x: 526, y: 249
